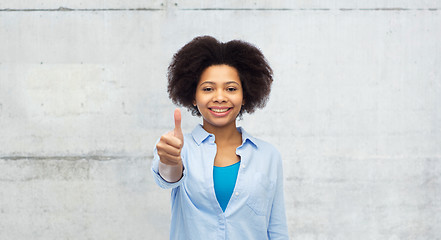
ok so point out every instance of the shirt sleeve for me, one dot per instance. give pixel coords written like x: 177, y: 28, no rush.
x: 158, y: 178
x: 278, y: 228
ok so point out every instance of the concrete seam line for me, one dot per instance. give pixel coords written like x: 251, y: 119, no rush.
x: 209, y: 9
x: 64, y: 9
x: 71, y: 158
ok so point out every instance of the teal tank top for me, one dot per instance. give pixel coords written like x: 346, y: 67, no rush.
x: 224, y: 181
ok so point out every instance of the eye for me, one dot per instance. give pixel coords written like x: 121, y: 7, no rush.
x: 207, y: 89
x: 231, y: 89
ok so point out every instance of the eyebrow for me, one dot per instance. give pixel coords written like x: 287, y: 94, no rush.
x: 210, y: 82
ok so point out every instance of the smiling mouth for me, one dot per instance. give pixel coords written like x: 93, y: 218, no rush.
x: 220, y: 110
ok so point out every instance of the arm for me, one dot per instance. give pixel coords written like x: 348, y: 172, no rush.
x: 170, y: 173
x: 277, y: 228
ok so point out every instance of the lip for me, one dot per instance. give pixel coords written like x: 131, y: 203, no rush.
x: 217, y: 114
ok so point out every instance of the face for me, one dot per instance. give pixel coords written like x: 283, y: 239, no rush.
x: 219, y: 96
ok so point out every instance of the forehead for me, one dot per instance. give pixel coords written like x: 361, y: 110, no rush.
x: 220, y: 74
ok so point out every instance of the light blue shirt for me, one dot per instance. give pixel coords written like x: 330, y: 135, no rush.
x: 256, y: 209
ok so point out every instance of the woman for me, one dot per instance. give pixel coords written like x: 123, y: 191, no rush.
x: 225, y: 183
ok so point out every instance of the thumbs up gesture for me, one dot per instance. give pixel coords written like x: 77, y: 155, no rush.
x: 170, y: 144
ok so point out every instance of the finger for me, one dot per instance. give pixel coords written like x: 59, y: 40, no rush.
x: 171, y: 140
x: 178, y: 131
x: 166, y: 148
x: 169, y: 159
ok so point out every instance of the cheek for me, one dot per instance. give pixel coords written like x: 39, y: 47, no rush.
x: 200, y: 100
x: 197, y: 99
x: 240, y: 99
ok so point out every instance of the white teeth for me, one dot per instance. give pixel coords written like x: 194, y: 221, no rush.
x: 219, y: 110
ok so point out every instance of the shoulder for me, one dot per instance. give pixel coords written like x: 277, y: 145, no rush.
x: 188, y: 137
x: 189, y: 141
x: 261, y: 145
x: 266, y: 159
x: 264, y: 146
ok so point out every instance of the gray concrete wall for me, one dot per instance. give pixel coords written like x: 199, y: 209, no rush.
x: 355, y: 111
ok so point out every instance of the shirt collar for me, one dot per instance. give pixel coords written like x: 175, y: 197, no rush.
x: 199, y: 135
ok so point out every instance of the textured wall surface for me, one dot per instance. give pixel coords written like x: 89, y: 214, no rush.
x: 355, y: 111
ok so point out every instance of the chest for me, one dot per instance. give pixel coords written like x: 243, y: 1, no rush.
x: 254, y: 185
x: 226, y: 156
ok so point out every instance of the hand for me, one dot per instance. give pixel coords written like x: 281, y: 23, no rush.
x: 170, y: 144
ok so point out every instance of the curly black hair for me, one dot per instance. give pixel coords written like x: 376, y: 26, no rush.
x: 202, y: 52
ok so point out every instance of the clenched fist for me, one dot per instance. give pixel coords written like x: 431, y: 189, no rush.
x: 169, y: 150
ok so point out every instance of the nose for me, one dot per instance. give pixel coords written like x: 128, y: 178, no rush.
x: 219, y: 96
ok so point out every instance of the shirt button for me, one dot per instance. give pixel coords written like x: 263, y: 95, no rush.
x: 237, y: 193
x: 243, y: 165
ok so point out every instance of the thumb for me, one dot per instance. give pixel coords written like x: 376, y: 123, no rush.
x: 178, y: 131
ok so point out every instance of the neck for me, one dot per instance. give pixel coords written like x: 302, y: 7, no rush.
x: 223, y: 134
